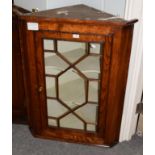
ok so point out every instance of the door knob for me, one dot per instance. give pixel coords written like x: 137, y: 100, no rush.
x: 40, y: 89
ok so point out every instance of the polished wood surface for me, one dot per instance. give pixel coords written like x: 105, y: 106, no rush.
x: 19, y: 111
x: 117, y: 37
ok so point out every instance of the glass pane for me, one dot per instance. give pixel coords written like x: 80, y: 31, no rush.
x: 88, y: 113
x: 72, y: 51
x: 55, y: 109
x: 72, y: 84
x: 52, y: 122
x: 54, y: 64
x: 95, y: 48
x: 71, y: 88
x: 93, y: 92
x: 71, y: 121
x: 48, y: 44
x: 50, y: 87
x: 91, y: 127
x: 90, y: 66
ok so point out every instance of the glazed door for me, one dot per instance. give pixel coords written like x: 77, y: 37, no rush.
x: 72, y: 74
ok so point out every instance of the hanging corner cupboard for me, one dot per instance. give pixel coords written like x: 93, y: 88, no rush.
x: 77, y: 61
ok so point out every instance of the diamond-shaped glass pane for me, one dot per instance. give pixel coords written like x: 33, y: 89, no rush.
x: 55, y: 109
x: 90, y: 66
x: 54, y: 64
x: 72, y: 51
x: 88, y: 112
x: 71, y: 121
x: 71, y: 88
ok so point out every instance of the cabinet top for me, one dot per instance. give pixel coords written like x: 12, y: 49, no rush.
x: 76, y: 13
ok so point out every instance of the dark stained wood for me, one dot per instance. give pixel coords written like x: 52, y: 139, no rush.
x: 72, y: 12
x: 117, y: 82
x: 76, y: 14
x: 60, y: 24
x: 19, y: 112
x: 105, y: 71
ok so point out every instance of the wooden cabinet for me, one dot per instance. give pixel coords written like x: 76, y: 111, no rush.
x: 77, y: 62
x: 18, y: 89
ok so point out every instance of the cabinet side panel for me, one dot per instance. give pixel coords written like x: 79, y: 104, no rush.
x: 18, y: 91
x: 19, y: 97
x: 117, y: 83
x: 105, y: 82
x: 31, y: 79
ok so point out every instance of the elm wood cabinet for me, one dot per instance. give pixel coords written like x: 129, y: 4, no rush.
x: 19, y: 114
x: 77, y: 59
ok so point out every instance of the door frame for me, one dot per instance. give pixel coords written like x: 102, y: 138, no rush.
x: 135, y: 73
x: 72, y: 135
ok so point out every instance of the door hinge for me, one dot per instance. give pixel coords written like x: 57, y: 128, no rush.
x: 139, y: 108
